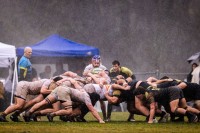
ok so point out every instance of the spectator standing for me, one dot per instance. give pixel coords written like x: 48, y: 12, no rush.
x: 25, y: 66
x: 47, y: 72
x: 59, y: 69
x: 196, y: 74
x: 189, y: 76
x: 34, y: 74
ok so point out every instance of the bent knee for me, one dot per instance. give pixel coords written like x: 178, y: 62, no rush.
x: 174, y: 109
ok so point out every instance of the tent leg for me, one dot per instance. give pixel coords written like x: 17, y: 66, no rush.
x: 13, y: 82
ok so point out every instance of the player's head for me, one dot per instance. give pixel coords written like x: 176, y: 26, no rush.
x: 96, y: 60
x: 27, y: 52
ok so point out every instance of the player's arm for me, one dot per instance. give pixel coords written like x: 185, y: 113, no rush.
x: 96, y: 80
x: 45, y: 90
x: 110, y: 99
x: 75, y: 83
x: 94, y: 113
x: 151, y: 79
x: 119, y: 87
x: 152, y: 108
x: 152, y: 112
x: 86, y: 70
x: 139, y: 105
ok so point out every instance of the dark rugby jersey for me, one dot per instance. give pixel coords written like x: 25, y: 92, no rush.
x: 126, y: 95
x: 167, y: 84
x: 132, y: 84
x: 144, y: 84
x: 155, y: 94
x: 191, y: 91
x: 164, y: 95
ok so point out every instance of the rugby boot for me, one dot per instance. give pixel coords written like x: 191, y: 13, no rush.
x: 108, y: 119
x: 3, y: 118
x: 164, y: 118
x: 27, y: 117
x: 155, y: 120
x: 14, y: 118
x: 62, y: 118
x: 50, y: 117
x: 191, y: 117
x: 131, y: 120
x: 34, y: 117
x: 179, y: 119
x: 65, y: 118
x: 198, y: 117
x: 71, y: 118
x: 80, y: 119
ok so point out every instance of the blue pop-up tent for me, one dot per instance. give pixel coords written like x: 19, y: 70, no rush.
x: 56, y: 49
x: 57, y: 46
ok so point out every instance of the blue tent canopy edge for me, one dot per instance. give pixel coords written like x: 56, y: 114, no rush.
x: 57, y: 46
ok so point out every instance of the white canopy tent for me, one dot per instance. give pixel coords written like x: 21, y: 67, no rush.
x: 7, y: 58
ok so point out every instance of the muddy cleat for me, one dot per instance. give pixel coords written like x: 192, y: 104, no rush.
x: 64, y: 118
x: 164, y: 119
x: 107, y: 120
x: 67, y: 118
x: 131, y: 120
x: 192, y: 117
x: 27, y: 117
x: 3, y: 118
x: 180, y: 119
x: 155, y: 120
x: 34, y: 117
x: 50, y: 117
x: 80, y: 119
x: 71, y: 119
x: 14, y: 118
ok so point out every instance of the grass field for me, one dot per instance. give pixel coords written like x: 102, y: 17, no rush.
x: 117, y: 125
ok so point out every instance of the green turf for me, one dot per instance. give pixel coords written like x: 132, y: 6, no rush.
x: 118, y: 124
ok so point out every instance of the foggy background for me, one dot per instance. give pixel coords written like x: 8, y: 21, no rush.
x: 144, y: 35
